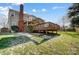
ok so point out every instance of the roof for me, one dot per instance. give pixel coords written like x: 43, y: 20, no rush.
x: 17, y: 11
x: 46, y: 23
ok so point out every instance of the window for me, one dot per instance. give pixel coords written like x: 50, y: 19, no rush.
x: 12, y: 14
x: 46, y: 25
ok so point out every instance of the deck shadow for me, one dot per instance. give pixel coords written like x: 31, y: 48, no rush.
x: 45, y: 40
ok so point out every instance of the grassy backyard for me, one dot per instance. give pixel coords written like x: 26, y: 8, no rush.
x: 67, y: 43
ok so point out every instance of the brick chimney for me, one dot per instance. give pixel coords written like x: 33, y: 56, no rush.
x: 21, y: 19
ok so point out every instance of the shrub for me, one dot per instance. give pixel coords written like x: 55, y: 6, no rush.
x: 5, y: 29
x: 29, y: 28
x: 15, y: 28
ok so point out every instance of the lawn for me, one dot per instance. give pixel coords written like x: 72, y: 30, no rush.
x: 65, y: 44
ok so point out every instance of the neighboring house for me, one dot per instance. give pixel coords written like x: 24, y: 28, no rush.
x: 77, y: 28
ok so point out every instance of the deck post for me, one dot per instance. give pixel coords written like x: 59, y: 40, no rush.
x: 46, y: 31
x: 56, y: 31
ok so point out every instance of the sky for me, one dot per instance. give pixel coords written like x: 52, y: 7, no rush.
x: 51, y: 12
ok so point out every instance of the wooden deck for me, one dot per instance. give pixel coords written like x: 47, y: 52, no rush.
x: 45, y: 27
